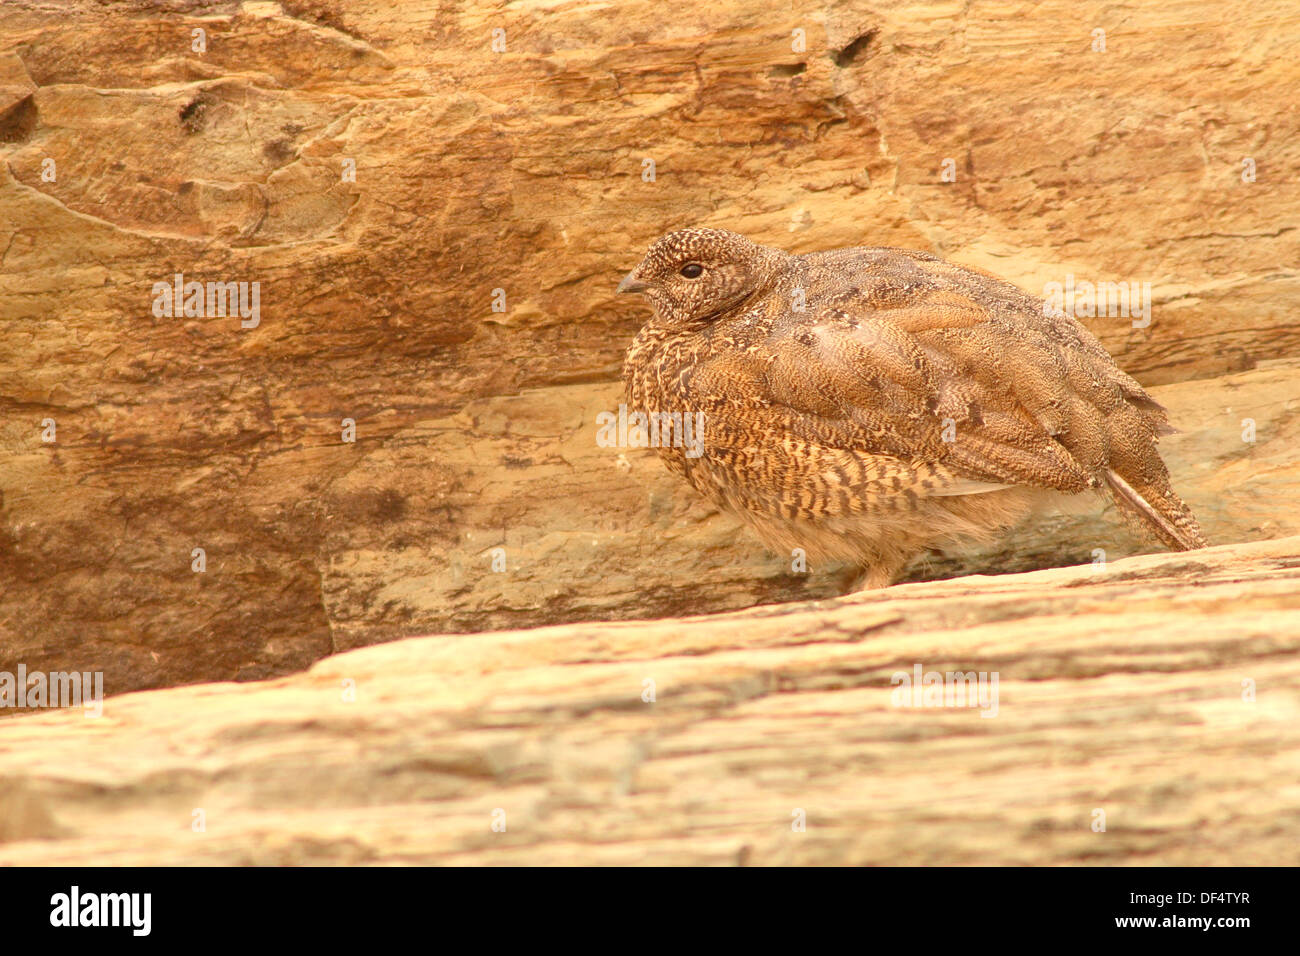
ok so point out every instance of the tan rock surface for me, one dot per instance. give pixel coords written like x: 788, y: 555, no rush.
x: 1162, y: 690
x: 522, y: 171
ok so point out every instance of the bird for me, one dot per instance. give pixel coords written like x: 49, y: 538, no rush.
x: 869, y: 405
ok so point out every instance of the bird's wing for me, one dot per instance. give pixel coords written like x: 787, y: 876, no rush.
x: 909, y: 356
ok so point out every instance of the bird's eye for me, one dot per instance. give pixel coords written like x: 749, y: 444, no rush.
x: 692, y: 270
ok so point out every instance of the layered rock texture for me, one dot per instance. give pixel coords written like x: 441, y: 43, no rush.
x: 1144, y: 712
x: 436, y: 202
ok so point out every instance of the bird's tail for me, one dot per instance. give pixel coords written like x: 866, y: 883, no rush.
x: 1160, y: 512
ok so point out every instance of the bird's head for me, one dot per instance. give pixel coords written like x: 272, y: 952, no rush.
x: 692, y: 275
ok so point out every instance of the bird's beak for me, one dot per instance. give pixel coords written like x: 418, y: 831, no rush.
x: 631, y: 284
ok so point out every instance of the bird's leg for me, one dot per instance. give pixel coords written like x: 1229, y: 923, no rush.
x: 879, y: 574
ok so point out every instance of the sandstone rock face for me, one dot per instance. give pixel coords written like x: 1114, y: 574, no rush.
x: 1144, y: 712
x: 381, y: 172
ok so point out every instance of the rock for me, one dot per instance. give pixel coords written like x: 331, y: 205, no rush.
x: 132, y: 156
x: 1145, y: 712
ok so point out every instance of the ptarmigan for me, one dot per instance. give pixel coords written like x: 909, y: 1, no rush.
x: 869, y: 404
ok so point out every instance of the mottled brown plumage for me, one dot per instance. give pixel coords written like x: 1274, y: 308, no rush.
x: 868, y: 404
